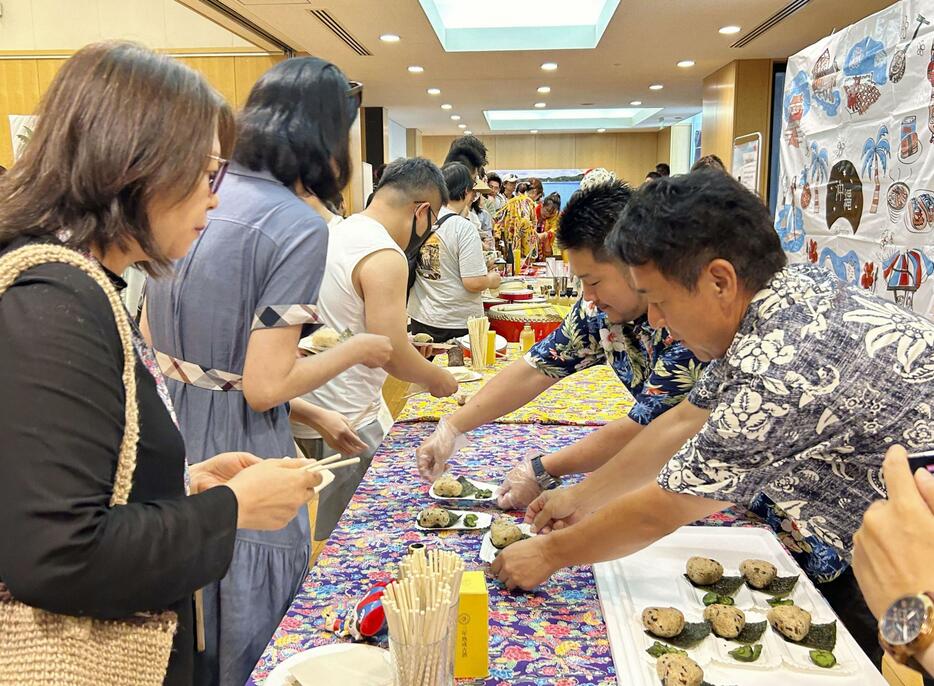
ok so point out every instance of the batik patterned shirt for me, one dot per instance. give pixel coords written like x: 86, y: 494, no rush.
x: 658, y: 371
x: 820, y: 379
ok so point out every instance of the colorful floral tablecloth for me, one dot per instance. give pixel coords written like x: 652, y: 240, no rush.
x: 560, y: 404
x: 555, y: 636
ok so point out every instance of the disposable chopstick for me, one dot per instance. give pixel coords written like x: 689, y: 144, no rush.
x: 319, y: 467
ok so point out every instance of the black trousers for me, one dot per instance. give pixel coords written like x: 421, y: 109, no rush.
x: 439, y: 335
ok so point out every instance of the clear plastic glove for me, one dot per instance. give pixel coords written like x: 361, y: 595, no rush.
x: 519, y: 488
x: 433, y: 454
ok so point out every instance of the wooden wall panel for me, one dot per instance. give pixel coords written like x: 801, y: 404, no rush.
x: 435, y: 148
x: 515, y: 152
x: 247, y: 70
x: 554, y: 151
x: 752, y: 109
x: 219, y: 72
x: 19, y: 94
x: 595, y: 150
x: 717, y: 124
x: 636, y: 155
x: 46, y: 71
x: 663, y: 148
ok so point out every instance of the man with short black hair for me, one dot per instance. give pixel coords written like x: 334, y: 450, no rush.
x: 607, y: 325
x: 811, y: 377
x: 495, y: 200
x: 469, y: 151
x: 364, y: 290
x: 663, y: 169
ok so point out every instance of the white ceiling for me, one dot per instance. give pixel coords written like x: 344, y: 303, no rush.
x: 642, y: 44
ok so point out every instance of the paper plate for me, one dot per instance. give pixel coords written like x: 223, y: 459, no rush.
x: 327, y: 476
x: 479, y: 484
x: 337, y: 663
x: 488, y: 551
x: 464, y: 375
x: 484, y: 519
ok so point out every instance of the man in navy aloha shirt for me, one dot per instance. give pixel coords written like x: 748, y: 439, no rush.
x: 608, y: 325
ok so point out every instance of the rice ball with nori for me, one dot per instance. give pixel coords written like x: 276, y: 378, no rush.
x: 448, y: 487
x: 726, y: 621
x: 433, y: 517
x: 703, y: 571
x: 504, y: 532
x: 791, y: 621
x: 663, y: 622
x: 678, y: 670
x: 758, y: 573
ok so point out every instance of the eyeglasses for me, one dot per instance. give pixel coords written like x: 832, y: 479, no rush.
x: 217, y: 176
x: 355, y: 95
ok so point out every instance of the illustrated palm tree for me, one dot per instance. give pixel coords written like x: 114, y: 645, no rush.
x: 876, y: 154
x: 820, y: 166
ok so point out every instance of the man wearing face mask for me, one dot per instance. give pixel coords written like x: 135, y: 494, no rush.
x: 364, y: 290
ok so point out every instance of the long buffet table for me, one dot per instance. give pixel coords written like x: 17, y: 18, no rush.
x: 555, y: 636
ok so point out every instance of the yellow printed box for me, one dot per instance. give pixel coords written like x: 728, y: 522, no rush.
x: 471, y: 654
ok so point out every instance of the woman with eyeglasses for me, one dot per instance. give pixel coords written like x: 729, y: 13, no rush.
x: 109, y: 179
x: 226, y: 329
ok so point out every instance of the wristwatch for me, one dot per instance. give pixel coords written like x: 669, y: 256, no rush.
x: 544, y: 479
x: 907, y: 628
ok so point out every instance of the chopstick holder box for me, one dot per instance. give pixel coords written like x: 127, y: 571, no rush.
x: 471, y: 652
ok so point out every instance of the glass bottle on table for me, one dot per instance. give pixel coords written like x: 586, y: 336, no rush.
x: 526, y: 338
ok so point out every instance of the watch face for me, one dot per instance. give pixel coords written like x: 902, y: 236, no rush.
x: 903, y: 621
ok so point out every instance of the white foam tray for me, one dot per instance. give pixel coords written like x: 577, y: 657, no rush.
x: 655, y: 577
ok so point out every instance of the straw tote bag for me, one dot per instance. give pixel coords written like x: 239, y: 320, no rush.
x: 46, y: 649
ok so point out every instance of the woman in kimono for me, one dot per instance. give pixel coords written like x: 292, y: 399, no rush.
x: 227, y: 325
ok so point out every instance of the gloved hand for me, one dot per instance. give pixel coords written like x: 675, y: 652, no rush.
x: 519, y: 488
x: 433, y: 454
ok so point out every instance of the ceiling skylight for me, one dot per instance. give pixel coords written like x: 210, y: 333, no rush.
x: 485, y: 25
x: 588, y: 119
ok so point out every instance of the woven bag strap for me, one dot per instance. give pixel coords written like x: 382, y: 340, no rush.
x: 18, y: 261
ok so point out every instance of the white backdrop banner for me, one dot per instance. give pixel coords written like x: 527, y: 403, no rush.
x: 857, y: 155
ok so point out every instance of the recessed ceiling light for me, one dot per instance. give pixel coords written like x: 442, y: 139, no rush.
x: 636, y: 103
x: 601, y: 130
x: 684, y: 64
x: 462, y: 126
x: 730, y: 30
x: 468, y: 133
x: 415, y: 69
x: 389, y: 38
x: 544, y: 90
x: 434, y: 91
x: 549, y: 66
x: 446, y: 106
x: 455, y: 117
x: 540, y: 105
x: 656, y: 87
x: 534, y: 131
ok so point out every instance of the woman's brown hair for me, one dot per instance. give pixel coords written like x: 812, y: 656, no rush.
x: 118, y: 126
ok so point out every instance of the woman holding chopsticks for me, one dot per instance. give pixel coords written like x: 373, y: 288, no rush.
x: 227, y: 326
x: 93, y: 476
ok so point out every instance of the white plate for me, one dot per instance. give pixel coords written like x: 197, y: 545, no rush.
x: 337, y: 663
x: 484, y: 519
x: 464, y: 375
x: 488, y: 551
x: 501, y: 342
x: 654, y: 576
x: 492, y: 488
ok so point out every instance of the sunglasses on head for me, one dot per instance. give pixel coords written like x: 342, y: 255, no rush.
x: 217, y: 176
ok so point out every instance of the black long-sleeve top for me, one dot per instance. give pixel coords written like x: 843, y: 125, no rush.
x: 62, y: 548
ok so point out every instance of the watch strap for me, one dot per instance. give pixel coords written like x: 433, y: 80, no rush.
x: 904, y: 654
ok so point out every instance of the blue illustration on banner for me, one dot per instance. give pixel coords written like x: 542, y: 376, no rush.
x: 795, y: 106
x: 820, y: 167
x: 824, y: 84
x: 846, y: 266
x: 789, y: 221
x: 876, y: 154
x: 904, y: 272
x: 865, y: 69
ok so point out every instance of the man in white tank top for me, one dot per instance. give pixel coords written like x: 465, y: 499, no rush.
x: 364, y: 290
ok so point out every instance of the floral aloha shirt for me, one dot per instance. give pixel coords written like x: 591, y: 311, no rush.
x: 820, y: 379
x: 657, y: 370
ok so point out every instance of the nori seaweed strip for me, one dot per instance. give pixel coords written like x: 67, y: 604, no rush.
x: 692, y: 634
x: 820, y: 637
x: 727, y: 585
x: 751, y: 633
x: 780, y: 586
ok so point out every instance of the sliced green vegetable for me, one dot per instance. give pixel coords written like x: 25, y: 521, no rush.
x: 820, y: 637
x: 728, y: 585
x: 823, y: 658
x: 780, y: 586
x: 747, y: 653
x: 470, y: 520
x: 751, y: 633
x: 780, y: 601
x: 712, y: 598
x: 692, y: 634
x: 482, y: 494
x: 658, y: 649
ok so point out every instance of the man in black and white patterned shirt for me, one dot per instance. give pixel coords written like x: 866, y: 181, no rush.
x: 811, y: 380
